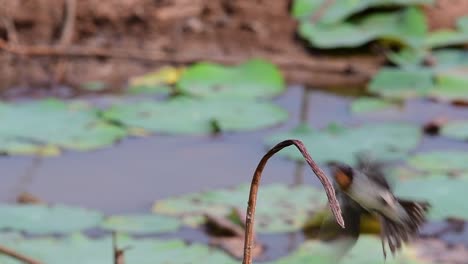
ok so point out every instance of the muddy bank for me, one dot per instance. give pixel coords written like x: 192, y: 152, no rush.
x: 54, y: 44
x: 136, y: 35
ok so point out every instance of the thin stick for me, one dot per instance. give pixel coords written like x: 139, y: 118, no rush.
x: 250, y: 217
x: 27, y: 177
x: 118, y: 253
x: 69, y: 23
x: 18, y: 256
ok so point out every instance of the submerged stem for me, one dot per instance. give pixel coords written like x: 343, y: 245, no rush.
x: 250, y: 217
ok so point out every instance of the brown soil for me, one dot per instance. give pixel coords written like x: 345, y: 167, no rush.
x: 445, y: 13
x: 52, y: 44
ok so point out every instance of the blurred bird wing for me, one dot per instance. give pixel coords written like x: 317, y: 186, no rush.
x: 342, y: 239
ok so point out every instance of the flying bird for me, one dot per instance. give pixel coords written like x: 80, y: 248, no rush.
x: 364, y: 191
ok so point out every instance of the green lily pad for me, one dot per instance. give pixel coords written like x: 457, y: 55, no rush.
x: 369, y: 104
x: 149, y: 89
x: 279, y: 208
x: 450, y: 58
x: 41, y: 219
x: 340, y: 10
x: 183, y: 115
x: 141, y: 223
x: 367, y: 250
x: 408, y: 58
x: 158, y: 81
x: 441, y: 161
x: 407, y: 28
x: 94, y: 86
x: 456, y: 130
x: 462, y: 24
x: 253, y: 79
x: 385, y: 141
x: 304, y: 9
x: 29, y: 128
x: 451, y: 86
x: 448, y: 37
x: 78, y: 249
x: 401, y: 173
x: 74, y: 250
x: 446, y: 195
x: 13, y: 147
x: 396, y: 83
x: 445, y: 81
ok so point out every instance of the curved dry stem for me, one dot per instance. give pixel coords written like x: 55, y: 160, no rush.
x: 18, y: 256
x: 250, y: 217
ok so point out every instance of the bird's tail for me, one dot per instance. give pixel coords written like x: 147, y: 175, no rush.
x: 395, y: 234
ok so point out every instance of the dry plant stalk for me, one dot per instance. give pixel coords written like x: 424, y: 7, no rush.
x: 18, y: 256
x: 250, y: 217
x: 119, y: 254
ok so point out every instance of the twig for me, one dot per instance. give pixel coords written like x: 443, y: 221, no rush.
x: 119, y: 257
x: 7, y: 8
x: 283, y: 60
x: 28, y: 176
x: 119, y: 253
x: 10, y: 29
x: 303, y: 117
x: 18, y: 256
x: 69, y: 24
x: 250, y: 217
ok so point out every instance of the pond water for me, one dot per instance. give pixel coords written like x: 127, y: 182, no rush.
x: 130, y: 176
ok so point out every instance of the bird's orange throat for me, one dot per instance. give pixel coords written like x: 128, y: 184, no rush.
x: 344, y: 180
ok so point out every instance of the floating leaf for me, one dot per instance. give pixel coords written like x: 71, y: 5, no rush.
x: 155, y: 82
x: 36, y: 127
x: 279, y: 208
x: 340, y: 10
x: 386, y: 141
x: 369, y: 104
x: 141, y: 223
x: 14, y: 147
x: 456, y: 130
x: 462, y: 24
x: 74, y: 250
x: 396, y: 83
x: 149, y: 89
x: 368, y: 250
x: 408, y: 57
x: 253, y: 79
x: 446, y: 80
x: 440, y: 161
x: 446, y: 195
x: 303, y: 9
x: 184, y: 115
x: 42, y: 219
x: 78, y: 249
x: 448, y: 37
x: 407, y: 27
x: 450, y: 58
x: 400, y: 173
x: 94, y: 86
x: 451, y: 87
